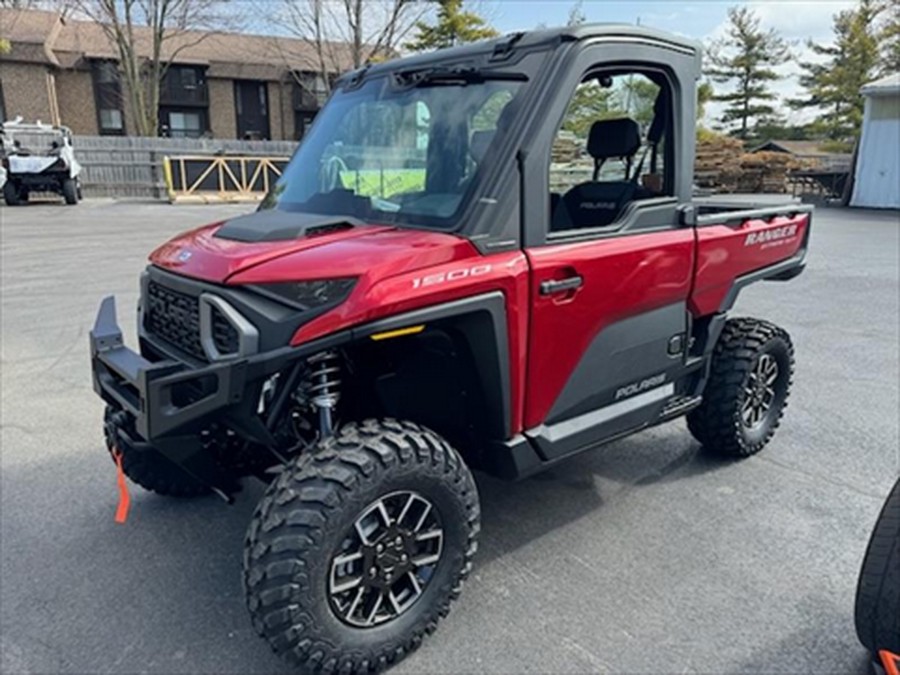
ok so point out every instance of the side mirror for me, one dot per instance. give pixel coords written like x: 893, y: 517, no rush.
x: 687, y: 215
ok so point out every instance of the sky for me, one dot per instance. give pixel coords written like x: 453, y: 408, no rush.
x: 796, y: 20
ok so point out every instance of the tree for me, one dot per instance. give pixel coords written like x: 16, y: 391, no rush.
x: 889, y: 37
x: 832, y: 85
x: 341, y: 33
x: 453, y: 26
x: 147, y: 36
x: 589, y: 103
x: 576, y: 14
x: 745, y: 58
x: 635, y: 98
x: 705, y: 94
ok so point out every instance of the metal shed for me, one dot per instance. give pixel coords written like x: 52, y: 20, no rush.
x: 877, y: 177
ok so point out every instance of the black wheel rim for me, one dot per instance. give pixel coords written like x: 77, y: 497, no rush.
x: 386, y: 561
x: 760, y: 392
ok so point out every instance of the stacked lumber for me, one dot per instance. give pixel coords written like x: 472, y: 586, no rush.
x: 566, y: 148
x: 717, y: 164
x: 721, y: 165
x: 765, y: 171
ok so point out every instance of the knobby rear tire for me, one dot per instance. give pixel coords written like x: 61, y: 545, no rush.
x: 717, y: 423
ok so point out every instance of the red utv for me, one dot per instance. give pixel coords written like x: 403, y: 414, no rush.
x: 434, y: 286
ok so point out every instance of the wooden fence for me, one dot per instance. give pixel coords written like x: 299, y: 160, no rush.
x: 126, y: 166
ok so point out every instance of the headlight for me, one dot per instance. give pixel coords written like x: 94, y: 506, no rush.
x: 310, y: 294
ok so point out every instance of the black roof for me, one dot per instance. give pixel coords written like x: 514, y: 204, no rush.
x: 538, y: 38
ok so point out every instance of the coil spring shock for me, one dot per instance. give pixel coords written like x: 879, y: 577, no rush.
x: 323, y: 390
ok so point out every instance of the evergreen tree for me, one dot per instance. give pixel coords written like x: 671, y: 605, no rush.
x: 576, y: 14
x: 745, y: 59
x: 890, y: 40
x: 454, y: 26
x: 705, y: 94
x: 589, y: 103
x: 852, y: 60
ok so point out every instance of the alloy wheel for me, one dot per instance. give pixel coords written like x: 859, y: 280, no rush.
x: 386, y: 560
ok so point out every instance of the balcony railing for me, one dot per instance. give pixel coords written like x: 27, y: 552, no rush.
x: 176, y: 95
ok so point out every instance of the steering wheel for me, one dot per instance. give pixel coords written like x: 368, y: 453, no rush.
x: 331, y: 173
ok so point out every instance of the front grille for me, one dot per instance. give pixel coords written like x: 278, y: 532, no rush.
x: 174, y: 318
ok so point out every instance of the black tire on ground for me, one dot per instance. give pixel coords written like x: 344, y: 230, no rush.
x: 878, y: 592
x: 726, y: 421
x: 149, y: 469
x: 12, y: 194
x: 70, y: 190
x: 316, y: 513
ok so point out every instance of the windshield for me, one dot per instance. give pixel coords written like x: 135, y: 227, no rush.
x: 398, y: 150
x: 31, y: 141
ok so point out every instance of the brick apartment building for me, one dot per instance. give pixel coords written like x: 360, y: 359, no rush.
x: 226, y: 85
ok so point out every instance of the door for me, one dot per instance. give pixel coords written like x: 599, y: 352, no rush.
x: 610, y: 276
x: 251, y: 101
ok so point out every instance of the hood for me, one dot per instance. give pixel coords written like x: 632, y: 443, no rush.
x: 274, y: 245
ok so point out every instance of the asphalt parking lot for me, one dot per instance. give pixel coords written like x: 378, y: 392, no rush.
x: 645, y: 556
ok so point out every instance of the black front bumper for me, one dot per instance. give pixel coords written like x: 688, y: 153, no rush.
x: 150, y: 391
x: 171, y: 398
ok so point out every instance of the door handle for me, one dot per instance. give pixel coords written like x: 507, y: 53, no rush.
x: 552, y: 286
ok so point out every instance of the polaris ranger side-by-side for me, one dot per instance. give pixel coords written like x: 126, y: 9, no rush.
x: 432, y: 287
x: 37, y: 158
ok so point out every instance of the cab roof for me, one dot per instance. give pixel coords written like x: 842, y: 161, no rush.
x: 512, y: 42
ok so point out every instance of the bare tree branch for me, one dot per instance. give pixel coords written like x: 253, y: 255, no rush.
x: 147, y: 36
x: 342, y: 34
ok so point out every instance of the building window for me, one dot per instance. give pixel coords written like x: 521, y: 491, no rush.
x: 251, y: 106
x: 108, y: 98
x: 303, y: 120
x: 111, y: 120
x: 106, y: 72
x: 184, y: 102
x: 184, y: 85
x: 310, y: 93
x: 183, y: 123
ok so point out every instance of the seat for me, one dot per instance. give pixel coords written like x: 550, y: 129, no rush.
x: 480, y: 142
x: 598, y: 203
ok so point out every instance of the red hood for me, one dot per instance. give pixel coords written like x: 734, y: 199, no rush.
x: 351, y: 252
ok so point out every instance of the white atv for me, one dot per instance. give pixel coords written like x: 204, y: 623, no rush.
x: 38, y: 158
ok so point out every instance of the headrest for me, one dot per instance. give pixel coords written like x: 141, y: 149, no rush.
x: 479, y: 143
x: 614, y: 138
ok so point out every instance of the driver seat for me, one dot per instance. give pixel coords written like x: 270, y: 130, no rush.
x: 595, y: 203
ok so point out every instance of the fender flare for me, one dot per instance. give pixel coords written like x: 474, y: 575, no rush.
x: 482, y: 321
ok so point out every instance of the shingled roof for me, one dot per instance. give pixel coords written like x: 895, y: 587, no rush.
x: 48, y: 38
